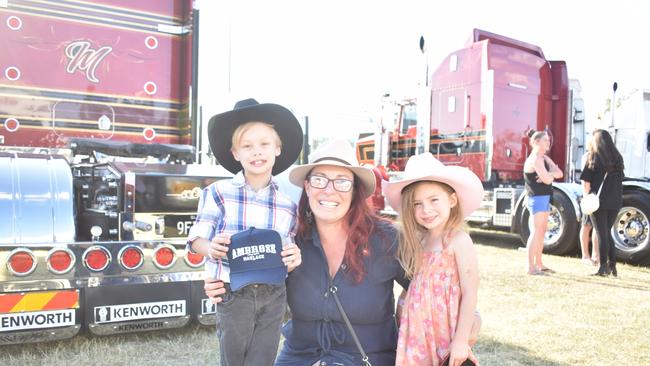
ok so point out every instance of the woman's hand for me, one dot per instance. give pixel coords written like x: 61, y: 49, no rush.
x: 291, y: 256
x: 459, y: 352
x: 214, y: 289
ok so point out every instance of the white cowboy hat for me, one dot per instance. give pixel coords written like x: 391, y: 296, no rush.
x: 336, y: 152
x: 424, y: 167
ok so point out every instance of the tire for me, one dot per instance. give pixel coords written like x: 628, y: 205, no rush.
x: 562, y: 232
x: 630, y: 232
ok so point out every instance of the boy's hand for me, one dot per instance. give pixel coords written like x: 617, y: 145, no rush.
x: 291, y: 256
x: 214, y: 289
x: 218, y: 246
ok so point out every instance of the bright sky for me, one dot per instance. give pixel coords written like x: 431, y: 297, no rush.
x: 332, y: 60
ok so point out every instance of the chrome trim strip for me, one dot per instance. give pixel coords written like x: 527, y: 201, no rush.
x: 127, y: 279
x: 39, y: 335
x: 207, y: 319
x: 138, y: 326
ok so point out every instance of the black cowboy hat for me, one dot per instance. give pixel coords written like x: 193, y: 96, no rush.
x: 222, y: 126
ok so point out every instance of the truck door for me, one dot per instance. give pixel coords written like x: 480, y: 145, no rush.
x: 449, y: 127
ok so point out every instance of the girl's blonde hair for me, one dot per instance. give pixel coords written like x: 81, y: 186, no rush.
x: 409, y: 252
x: 241, y: 129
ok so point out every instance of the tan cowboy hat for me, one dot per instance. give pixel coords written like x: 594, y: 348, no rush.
x: 336, y: 152
x: 424, y: 167
x: 222, y: 126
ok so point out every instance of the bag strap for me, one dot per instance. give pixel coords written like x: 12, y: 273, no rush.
x: 601, y: 186
x: 364, y: 356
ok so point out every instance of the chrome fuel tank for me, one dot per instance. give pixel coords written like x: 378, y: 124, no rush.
x: 36, y: 199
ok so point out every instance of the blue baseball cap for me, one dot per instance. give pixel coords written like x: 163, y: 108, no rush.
x: 254, y: 257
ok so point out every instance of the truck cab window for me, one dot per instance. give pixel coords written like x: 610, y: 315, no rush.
x: 409, y: 118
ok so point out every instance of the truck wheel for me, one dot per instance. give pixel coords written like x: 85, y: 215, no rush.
x: 630, y: 230
x: 562, y: 232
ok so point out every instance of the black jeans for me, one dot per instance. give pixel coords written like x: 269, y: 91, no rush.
x: 602, y: 220
x: 248, y: 324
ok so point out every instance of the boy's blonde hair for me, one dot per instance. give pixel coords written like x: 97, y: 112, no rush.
x: 410, y: 250
x: 241, y: 129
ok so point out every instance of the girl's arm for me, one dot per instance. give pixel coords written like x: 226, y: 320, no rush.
x: 467, y: 263
x: 555, y: 171
x: 542, y: 173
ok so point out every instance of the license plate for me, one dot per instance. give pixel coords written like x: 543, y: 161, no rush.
x: 178, y: 225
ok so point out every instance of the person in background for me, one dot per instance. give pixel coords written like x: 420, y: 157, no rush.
x: 586, y: 229
x: 253, y: 141
x: 539, y: 173
x: 439, y: 258
x: 585, y: 237
x: 604, y: 166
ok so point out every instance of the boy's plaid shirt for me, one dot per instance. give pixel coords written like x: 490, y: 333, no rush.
x: 230, y: 206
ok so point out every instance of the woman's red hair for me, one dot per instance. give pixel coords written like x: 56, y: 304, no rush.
x: 359, y: 224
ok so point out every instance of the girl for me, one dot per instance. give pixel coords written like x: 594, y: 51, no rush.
x: 439, y: 258
x: 539, y: 173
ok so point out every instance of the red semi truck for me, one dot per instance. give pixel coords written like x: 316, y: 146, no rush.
x: 98, y: 180
x: 475, y: 112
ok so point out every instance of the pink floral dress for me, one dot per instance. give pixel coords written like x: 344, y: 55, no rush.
x: 430, y: 312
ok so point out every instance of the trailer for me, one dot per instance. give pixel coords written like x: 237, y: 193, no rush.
x: 99, y: 180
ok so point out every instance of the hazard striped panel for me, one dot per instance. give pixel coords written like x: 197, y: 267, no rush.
x: 35, y: 301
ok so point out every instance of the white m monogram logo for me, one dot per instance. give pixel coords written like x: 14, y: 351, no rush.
x: 83, y: 58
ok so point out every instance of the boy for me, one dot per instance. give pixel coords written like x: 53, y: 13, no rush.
x: 254, y: 141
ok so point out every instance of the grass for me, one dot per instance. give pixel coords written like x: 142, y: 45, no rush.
x: 567, y: 318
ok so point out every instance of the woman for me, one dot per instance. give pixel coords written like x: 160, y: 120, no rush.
x: 603, y: 158
x: 340, y: 239
x: 539, y: 173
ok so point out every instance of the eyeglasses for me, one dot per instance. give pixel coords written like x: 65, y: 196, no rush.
x: 339, y: 184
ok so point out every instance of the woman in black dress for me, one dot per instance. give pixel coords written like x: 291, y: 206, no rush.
x: 604, y: 166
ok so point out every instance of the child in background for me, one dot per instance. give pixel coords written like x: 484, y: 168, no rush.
x: 253, y: 141
x: 439, y: 257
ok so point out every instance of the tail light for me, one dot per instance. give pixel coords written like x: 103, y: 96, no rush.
x: 96, y: 258
x: 21, y: 262
x: 60, y: 260
x: 194, y: 259
x: 164, y: 256
x: 131, y: 257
